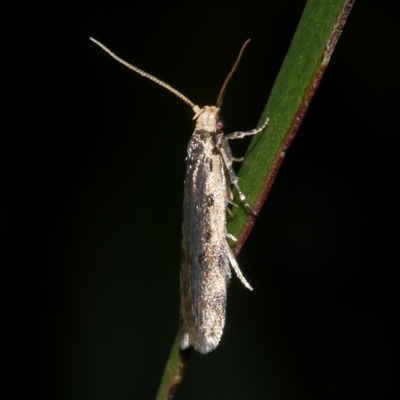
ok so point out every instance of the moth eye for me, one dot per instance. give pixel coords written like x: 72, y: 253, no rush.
x: 220, y: 124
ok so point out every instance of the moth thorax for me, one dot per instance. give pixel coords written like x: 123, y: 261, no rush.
x: 206, y: 118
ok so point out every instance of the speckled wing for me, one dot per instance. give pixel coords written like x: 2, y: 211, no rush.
x: 205, y: 268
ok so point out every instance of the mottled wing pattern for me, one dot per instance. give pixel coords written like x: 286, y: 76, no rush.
x: 205, y: 268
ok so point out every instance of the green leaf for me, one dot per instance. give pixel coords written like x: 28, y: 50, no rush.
x: 307, y: 58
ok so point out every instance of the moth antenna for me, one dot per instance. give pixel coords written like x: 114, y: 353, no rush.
x: 222, y: 91
x: 147, y: 75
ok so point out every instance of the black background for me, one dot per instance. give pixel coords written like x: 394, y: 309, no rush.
x: 93, y: 189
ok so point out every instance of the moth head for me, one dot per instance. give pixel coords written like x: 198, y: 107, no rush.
x: 207, y: 119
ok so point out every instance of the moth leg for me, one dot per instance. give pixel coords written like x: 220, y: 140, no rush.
x: 232, y: 203
x: 228, y: 235
x: 235, y: 266
x: 227, y: 157
x: 232, y: 176
x: 240, y: 135
x: 236, y: 159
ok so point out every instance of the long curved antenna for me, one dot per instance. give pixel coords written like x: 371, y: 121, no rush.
x: 222, y: 91
x: 146, y: 75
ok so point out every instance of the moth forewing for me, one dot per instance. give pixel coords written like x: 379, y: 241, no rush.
x: 205, y: 269
x: 206, y: 256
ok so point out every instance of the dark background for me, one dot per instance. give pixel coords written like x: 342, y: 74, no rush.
x: 93, y: 189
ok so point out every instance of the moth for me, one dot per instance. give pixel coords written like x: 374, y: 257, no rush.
x: 207, y: 258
